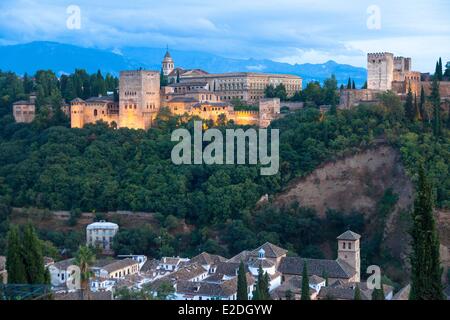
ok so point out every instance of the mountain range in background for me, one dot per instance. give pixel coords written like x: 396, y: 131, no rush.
x: 64, y: 59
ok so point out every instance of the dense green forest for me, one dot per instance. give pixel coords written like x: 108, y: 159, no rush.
x: 46, y: 164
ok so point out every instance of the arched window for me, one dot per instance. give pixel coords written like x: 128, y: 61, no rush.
x: 349, y: 245
x: 95, y: 112
x: 343, y: 245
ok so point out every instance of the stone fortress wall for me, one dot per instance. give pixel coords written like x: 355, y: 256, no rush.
x: 387, y: 72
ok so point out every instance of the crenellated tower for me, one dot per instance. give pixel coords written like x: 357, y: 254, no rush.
x: 380, y: 71
x: 139, y: 99
x: 77, y: 109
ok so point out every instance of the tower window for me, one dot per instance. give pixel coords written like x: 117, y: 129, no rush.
x: 349, y: 245
x: 343, y: 245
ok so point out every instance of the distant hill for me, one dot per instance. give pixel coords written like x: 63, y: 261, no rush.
x: 63, y: 58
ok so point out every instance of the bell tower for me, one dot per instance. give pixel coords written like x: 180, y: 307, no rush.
x: 349, y: 251
x: 167, y: 64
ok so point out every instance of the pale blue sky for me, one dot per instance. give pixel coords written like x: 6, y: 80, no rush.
x: 294, y: 31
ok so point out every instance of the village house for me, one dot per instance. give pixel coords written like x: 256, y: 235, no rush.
x: 100, y: 235
x: 226, y: 290
x: 118, y: 269
x: 171, y: 263
x: 346, y: 291
x: 291, y: 289
x: 59, y: 272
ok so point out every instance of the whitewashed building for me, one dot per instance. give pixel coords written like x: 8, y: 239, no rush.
x: 100, y: 235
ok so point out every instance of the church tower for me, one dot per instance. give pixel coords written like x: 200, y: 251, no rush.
x: 167, y: 64
x: 349, y: 251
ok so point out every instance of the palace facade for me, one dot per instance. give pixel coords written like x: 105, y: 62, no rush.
x: 189, y: 92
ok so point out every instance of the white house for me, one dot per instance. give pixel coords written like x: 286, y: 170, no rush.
x: 100, y: 235
x: 171, y: 263
x: 59, y: 272
x: 141, y: 259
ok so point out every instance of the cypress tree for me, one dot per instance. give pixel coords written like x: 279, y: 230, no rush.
x: 265, y: 287
x: 242, y: 293
x: 364, y: 86
x: 440, y: 70
x: 14, y: 258
x: 261, y: 291
x: 305, y: 283
x: 425, y: 261
x: 410, y: 111
x: 33, y: 257
x: 448, y: 122
x: 357, y: 295
x: 349, y: 83
x: 162, y: 79
x: 436, y: 101
x: 353, y: 85
x: 257, y: 294
x: 422, y: 103
x: 418, y: 116
x: 436, y: 71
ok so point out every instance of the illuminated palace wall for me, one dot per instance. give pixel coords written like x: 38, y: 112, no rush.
x: 269, y: 109
x: 93, y: 110
x: 140, y: 99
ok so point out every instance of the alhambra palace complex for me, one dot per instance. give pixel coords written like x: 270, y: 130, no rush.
x: 192, y: 92
x: 208, y: 96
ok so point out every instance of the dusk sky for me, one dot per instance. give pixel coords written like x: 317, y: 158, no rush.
x: 294, y: 31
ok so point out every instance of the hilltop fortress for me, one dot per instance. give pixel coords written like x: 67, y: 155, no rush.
x: 387, y: 72
x: 187, y: 92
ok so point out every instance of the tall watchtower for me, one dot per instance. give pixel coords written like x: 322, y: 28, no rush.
x: 380, y: 71
x: 139, y: 98
x: 349, y: 251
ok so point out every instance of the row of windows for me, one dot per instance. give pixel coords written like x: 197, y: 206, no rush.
x: 231, y: 98
x: 24, y: 112
x: 98, y: 239
x: 189, y: 88
x: 105, y: 231
x: 128, y: 271
x: 253, y: 86
x: 130, y: 93
x: 348, y: 244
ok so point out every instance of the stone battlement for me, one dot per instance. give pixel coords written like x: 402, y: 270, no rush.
x: 379, y: 55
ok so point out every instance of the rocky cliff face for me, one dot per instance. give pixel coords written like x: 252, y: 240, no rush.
x: 355, y: 183
x: 358, y: 183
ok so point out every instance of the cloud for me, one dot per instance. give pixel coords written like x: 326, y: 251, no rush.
x: 285, y: 30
